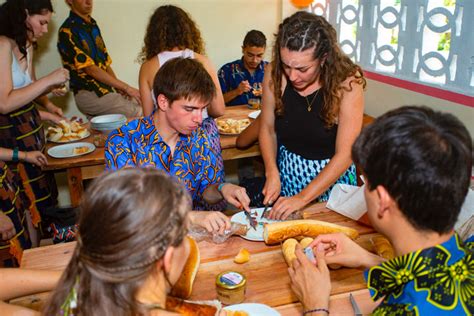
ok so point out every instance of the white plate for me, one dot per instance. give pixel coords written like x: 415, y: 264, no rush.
x: 255, y: 114
x: 253, y: 309
x: 67, y: 151
x: 252, y: 234
x: 70, y: 141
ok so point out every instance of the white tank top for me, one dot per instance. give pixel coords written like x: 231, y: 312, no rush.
x: 163, y: 57
x: 20, y: 78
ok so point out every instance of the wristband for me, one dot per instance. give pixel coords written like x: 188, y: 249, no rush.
x: 219, y: 187
x: 315, y: 311
x: 15, y: 154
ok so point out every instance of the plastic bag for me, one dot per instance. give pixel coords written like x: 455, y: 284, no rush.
x: 200, y: 233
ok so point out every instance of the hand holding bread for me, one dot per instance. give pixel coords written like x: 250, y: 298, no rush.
x: 339, y: 249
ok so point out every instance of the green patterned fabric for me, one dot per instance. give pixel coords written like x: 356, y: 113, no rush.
x: 433, y: 281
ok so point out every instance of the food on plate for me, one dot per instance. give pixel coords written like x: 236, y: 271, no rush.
x: 280, y: 231
x: 80, y: 150
x: 383, y: 247
x: 192, y: 308
x: 243, y: 256
x: 66, y: 131
x: 232, y: 126
x: 236, y: 313
x: 184, y: 286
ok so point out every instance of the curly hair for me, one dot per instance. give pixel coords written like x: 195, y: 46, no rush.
x: 13, y: 14
x: 170, y: 27
x: 304, y: 30
x: 127, y: 221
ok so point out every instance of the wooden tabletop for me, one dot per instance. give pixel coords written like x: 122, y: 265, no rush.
x: 266, y: 272
x: 97, y: 157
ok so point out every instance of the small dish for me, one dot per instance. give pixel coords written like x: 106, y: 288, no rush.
x: 253, y: 309
x: 71, y: 150
x: 254, y: 114
x: 252, y: 234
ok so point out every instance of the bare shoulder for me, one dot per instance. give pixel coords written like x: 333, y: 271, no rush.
x: 5, y: 43
x: 352, y: 83
x: 149, y: 67
x: 202, y: 59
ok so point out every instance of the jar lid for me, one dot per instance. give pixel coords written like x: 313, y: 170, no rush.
x: 230, y: 280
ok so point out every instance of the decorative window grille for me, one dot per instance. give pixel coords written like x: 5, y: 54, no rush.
x: 423, y: 41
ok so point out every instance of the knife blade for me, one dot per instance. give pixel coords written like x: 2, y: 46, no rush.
x: 252, y: 221
x: 355, y: 307
x: 265, y: 211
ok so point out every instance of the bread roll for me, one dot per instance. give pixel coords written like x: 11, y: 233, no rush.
x: 383, y: 247
x: 279, y: 231
x: 184, y: 286
x: 190, y: 308
x: 243, y: 256
x: 288, y: 249
x: 305, y: 242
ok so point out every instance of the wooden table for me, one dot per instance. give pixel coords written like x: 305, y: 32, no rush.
x: 92, y: 165
x: 266, y: 272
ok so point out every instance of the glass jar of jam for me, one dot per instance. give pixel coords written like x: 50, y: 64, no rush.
x: 230, y: 287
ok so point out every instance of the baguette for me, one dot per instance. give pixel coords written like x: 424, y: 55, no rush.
x: 275, y: 232
x: 193, y: 308
x: 184, y: 286
x: 383, y: 247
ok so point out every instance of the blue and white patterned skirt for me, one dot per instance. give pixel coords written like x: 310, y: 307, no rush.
x: 297, y: 172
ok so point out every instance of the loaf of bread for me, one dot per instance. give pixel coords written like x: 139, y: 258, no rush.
x: 279, y: 231
x: 288, y: 249
x: 193, y: 308
x: 184, y: 286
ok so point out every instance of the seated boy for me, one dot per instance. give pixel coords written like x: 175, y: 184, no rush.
x: 417, y: 166
x: 172, y: 140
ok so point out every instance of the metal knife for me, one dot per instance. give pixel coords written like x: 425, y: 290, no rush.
x: 252, y: 221
x: 355, y: 307
x: 265, y: 211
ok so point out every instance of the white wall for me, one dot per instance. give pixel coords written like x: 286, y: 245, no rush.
x: 223, y: 24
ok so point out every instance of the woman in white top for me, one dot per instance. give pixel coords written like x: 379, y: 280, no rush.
x: 22, y: 22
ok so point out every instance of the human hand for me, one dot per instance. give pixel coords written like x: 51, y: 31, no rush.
x: 213, y: 222
x: 341, y: 250
x: 244, y: 87
x: 60, y: 91
x: 54, y: 109
x: 285, y: 206
x: 271, y: 189
x: 133, y: 93
x: 236, y: 196
x: 311, y: 283
x: 7, y: 229
x: 36, y: 158
x: 58, y: 77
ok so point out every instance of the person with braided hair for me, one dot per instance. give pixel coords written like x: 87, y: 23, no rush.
x: 131, y: 246
x: 312, y: 112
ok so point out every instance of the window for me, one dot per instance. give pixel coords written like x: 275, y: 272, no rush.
x: 422, y: 41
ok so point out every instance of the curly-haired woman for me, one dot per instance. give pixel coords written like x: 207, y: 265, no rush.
x: 312, y: 113
x: 172, y: 33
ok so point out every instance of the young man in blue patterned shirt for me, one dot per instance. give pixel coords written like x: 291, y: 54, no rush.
x: 242, y: 79
x: 417, y: 166
x: 172, y: 140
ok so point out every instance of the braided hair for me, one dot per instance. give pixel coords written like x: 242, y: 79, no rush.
x: 302, y: 31
x: 128, y: 219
